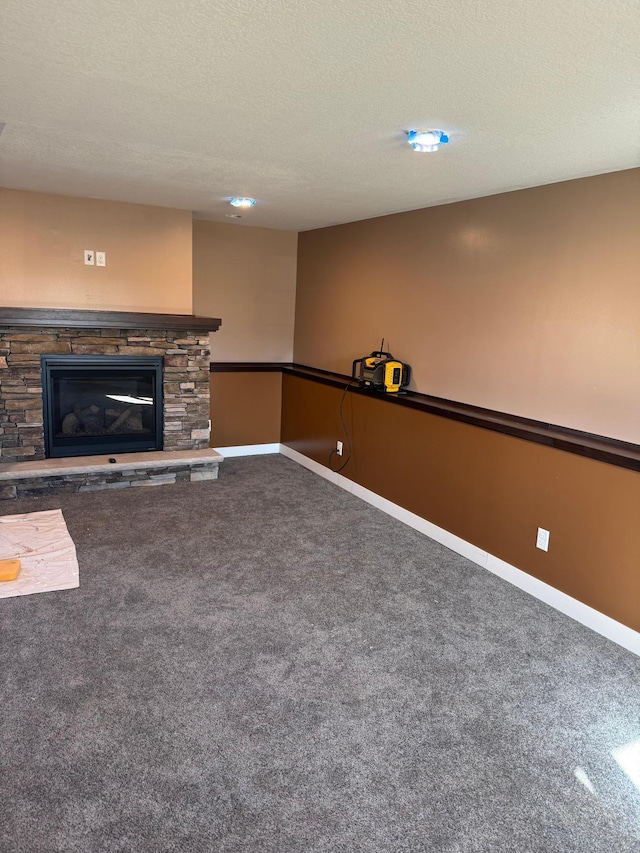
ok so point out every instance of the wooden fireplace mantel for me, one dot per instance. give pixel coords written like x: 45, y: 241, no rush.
x: 75, y: 319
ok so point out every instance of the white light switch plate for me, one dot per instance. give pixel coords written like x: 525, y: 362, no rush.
x: 89, y: 257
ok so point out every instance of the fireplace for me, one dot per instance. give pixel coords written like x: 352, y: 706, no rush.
x: 97, y: 386
x: 180, y: 343
x: 95, y: 404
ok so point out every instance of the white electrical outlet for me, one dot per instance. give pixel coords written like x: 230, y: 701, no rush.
x: 542, y: 539
x: 101, y: 259
x: 339, y: 448
x: 89, y: 257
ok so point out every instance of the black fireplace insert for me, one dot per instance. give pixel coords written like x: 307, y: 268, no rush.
x: 96, y: 404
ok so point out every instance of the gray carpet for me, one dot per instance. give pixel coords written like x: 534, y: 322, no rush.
x: 265, y: 663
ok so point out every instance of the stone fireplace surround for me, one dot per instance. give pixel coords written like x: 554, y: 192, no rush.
x: 26, y: 334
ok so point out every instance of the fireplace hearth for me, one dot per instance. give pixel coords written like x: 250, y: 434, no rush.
x: 101, y: 404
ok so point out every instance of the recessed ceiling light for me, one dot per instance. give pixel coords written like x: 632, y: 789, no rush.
x: 242, y: 202
x: 427, y: 140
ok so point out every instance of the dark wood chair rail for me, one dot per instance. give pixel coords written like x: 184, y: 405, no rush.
x: 598, y: 447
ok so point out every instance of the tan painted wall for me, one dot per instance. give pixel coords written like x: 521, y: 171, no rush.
x: 526, y: 302
x: 43, y: 237
x: 247, y: 276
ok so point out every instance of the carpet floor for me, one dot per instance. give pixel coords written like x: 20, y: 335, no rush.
x: 265, y: 663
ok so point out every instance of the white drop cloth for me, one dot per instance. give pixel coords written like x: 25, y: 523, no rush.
x: 41, y: 541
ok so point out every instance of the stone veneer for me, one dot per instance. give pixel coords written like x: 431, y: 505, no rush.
x: 48, y: 482
x: 185, y: 381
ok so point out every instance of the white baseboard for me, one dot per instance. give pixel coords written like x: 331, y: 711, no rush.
x: 593, y: 619
x: 249, y: 450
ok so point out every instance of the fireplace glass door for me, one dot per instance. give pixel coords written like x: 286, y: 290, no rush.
x: 101, y: 404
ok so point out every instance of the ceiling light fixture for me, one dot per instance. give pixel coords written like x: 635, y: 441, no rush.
x: 242, y: 202
x: 427, y: 140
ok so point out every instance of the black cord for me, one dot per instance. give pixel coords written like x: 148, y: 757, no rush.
x: 346, y: 431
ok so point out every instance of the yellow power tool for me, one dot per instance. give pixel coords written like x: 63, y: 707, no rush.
x: 381, y: 371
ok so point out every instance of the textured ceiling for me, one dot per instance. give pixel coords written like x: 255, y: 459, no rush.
x: 303, y: 104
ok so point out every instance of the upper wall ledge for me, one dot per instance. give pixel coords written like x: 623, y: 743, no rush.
x: 599, y: 447
x: 73, y: 319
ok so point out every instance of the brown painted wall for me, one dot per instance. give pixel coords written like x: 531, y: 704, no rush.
x: 43, y: 238
x: 247, y: 276
x: 491, y: 490
x: 526, y: 302
x: 245, y: 408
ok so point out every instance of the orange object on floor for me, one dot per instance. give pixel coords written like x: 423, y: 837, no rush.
x: 9, y: 569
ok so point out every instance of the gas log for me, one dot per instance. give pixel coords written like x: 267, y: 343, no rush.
x: 93, y: 420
